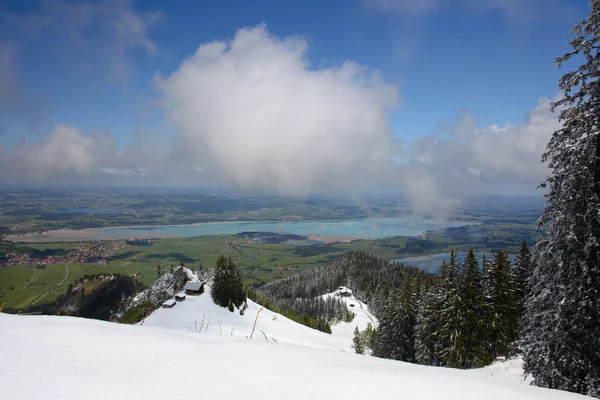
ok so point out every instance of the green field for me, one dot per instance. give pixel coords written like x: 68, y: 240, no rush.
x: 46, y: 279
x: 260, y: 262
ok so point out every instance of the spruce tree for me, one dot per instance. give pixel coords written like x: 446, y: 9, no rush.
x: 389, y: 335
x: 358, y: 342
x: 447, y: 313
x: 471, y: 349
x: 561, y: 333
x: 521, y: 273
x: 408, y: 320
x: 426, y: 341
x: 227, y: 288
x: 502, y: 306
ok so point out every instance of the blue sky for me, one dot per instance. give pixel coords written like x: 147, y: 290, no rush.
x: 94, y: 66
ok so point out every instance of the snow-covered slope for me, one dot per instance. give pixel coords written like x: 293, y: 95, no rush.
x: 73, y: 358
x: 199, y: 314
x: 362, y: 314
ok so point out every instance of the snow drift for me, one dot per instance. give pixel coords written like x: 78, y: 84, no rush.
x: 72, y: 358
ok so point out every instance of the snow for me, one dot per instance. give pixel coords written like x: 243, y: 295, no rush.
x: 169, y: 302
x: 362, y: 317
x: 48, y: 357
x: 188, y: 316
x: 200, y: 313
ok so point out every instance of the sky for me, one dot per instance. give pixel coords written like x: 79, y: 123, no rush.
x: 436, y: 98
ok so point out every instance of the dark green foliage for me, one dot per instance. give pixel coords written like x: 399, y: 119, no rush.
x: 502, y: 307
x: 369, y: 334
x: 227, y: 288
x: 447, y: 313
x: 561, y: 330
x: 318, y: 323
x: 426, y: 341
x: 468, y: 317
x: 521, y: 272
x: 471, y: 343
x: 397, y: 319
x: 358, y: 342
x: 98, y: 303
x: 364, y: 273
x: 136, y: 313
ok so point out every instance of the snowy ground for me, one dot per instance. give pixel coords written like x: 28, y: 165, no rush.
x: 362, y: 317
x: 73, y: 358
x: 200, y: 314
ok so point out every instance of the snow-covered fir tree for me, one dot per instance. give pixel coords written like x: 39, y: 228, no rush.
x: 427, y: 326
x: 561, y: 333
x: 395, y: 337
x: 502, y: 309
x: 446, y: 314
x: 522, y: 271
x: 227, y: 288
x: 470, y: 350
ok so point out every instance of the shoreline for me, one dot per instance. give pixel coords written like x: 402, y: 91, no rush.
x: 94, y: 234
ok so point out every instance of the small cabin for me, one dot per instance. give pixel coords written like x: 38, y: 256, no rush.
x: 194, y: 288
x: 169, y: 303
x: 180, y: 297
x: 344, y: 291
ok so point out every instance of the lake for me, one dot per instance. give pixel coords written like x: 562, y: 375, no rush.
x: 369, y: 228
x: 432, y: 263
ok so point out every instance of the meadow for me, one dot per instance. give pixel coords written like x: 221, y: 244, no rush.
x: 22, y: 286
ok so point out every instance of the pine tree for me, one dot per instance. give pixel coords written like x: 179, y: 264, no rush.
x: 358, y: 342
x: 426, y: 342
x: 502, y: 306
x: 408, y: 320
x: 561, y: 333
x: 388, y: 333
x: 521, y: 272
x: 471, y: 347
x: 227, y: 288
x: 447, y: 312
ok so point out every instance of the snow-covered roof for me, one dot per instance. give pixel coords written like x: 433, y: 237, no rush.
x: 181, y: 294
x: 169, y: 302
x: 193, y: 285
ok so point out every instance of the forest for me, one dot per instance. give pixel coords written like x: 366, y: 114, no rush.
x: 465, y: 317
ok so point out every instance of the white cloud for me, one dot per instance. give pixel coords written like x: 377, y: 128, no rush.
x: 405, y: 6
x: 65, y: 149
x: 516, y: 10
x: 101, y: 34
x: 255, y: 110
x: 495, y: 158
x: 67, y: 152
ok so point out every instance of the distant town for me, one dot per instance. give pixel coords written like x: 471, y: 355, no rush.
x: 96, y: 252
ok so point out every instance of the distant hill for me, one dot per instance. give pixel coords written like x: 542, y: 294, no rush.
x: 95, y: 296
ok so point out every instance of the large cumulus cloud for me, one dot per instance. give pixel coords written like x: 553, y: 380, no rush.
x: 254, y: 109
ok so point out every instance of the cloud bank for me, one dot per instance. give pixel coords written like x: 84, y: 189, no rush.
x: 255, y: 110
x: 506, y: 159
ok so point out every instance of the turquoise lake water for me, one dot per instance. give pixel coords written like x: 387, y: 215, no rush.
x: 370, y: 228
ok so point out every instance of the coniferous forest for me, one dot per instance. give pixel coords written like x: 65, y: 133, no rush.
x: 465, y: 317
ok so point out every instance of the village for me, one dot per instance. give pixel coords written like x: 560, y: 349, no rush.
x: 96, y: 252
